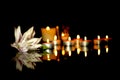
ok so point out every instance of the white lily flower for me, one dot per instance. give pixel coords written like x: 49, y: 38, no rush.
x: 26, y: 41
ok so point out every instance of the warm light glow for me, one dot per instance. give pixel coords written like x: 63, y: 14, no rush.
x: 106, y: 48
x: 85, y: 38
x: 48, y: 41
x: 99, y: 51
x: 98, y: 36
x: 62, y: 34
x: 55, y: 37
x: 57, y: 27
x: 63, y: 52
x: 85, y: 53
x: 55, y: 52
x: 78, y: 50
x: 69, y: 53
x: 48, y: 57
x: 78, y: 36
x: 47, y: 28
x: 69, y: 38
x: 106, y: 36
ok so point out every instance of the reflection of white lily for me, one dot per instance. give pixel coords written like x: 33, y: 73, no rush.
x: 26, y: 41
x: 27, y: 59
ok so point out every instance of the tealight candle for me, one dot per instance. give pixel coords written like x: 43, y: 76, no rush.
x: 48, y: 44
x: 48, y: 33
x: 67, y: 42
x: 85, y: 41
x: 64, y: 36
x: 78, y: 41
x: 56, y: 41
x: 97, y: 41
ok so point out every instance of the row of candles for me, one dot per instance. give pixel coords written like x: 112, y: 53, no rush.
x: 78, y: 41
x: 52, y: 40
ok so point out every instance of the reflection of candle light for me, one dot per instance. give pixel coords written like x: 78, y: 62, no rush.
x: 85, y: 53
x: 63, y: 52
x: 99, y: 51
x: 48, y: 41
x: 69, y: 53
x: 55, y: 37
x: 106, y: 48
x: 78, y: 50
x: 48, y: 57
x: 55, y: 52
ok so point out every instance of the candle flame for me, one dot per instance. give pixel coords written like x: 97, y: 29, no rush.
x: 98, y: 36
x: 47, y: 28
x: 106, y: 36
x: 85, y: 38
x: 78, y: 36
x: 69, y: 38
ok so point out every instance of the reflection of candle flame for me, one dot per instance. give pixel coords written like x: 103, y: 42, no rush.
x: 55, y: 52
x: 69, y: 52
x: 85, y: 53
x: 55, y: 37
x: 99, y: 51
x: 78, y: 50
x: 63, y: 52
x: 78, y: 36
x: 47, y: 28
x: 48, y: 57
x: 98, y: 36
x: 107, y: 49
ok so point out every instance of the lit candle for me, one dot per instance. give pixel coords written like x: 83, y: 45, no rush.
x: 97, y: 41
x: 48, y: 33
x: 68, y: 42
x: 64, y: 36
x: 85, y: 41
x: 78, y: 41
x: 56, y: 41
x: 48, y: 44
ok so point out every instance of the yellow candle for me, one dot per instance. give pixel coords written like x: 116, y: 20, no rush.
x: 48, y: 33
